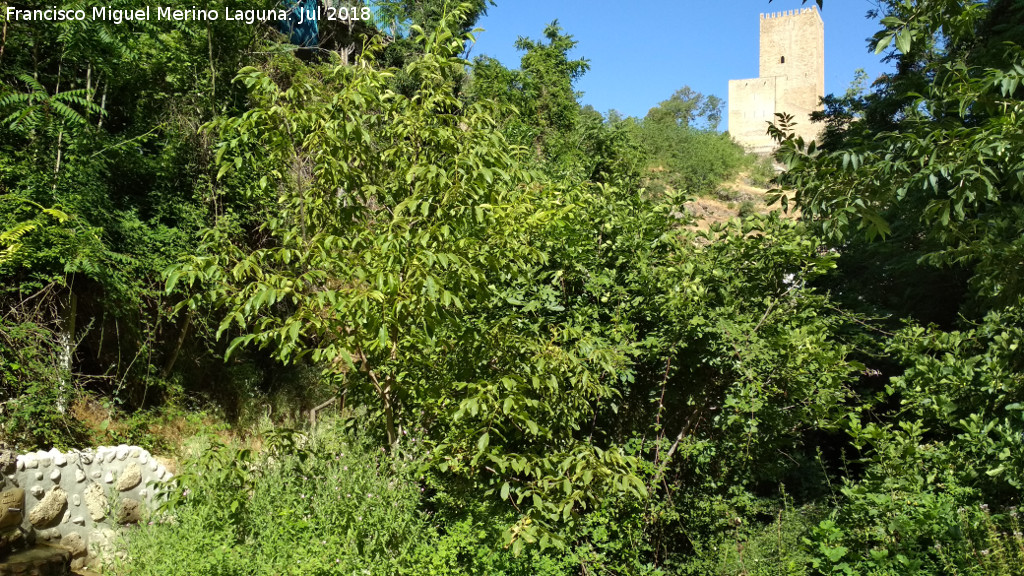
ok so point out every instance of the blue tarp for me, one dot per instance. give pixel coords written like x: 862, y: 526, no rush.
x: 301, y: 26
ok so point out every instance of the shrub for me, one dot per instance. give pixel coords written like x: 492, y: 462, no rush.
x: 35, y: 390
x: 320, y: 505
x: 747, y: 208
x: 761, y: 171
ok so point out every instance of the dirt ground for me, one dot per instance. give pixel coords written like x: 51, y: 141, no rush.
x: 733, y: 199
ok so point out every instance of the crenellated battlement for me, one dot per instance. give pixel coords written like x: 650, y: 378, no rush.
x: 789, y: 13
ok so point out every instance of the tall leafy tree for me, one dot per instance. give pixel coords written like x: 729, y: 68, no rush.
x: 925, y: 195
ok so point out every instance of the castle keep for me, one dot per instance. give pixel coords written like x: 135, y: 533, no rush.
x: 791, y: 79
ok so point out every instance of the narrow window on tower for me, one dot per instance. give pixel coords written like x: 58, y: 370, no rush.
x: 782, y: 60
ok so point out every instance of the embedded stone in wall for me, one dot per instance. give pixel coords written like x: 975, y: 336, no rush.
x: 129, y: 512
x: 49, y: 508
x: 12, y: 507
x: 74, y: 543
x: 11, y: 540
x: 8, y: 460
x: 40, y: 561
x: 130, y: 478
x: 101, y: 542
x: 79, y: 475
x: 96, y: 502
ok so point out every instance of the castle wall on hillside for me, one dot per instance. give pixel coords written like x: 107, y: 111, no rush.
x: 791, y: 79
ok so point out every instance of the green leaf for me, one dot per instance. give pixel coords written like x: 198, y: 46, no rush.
x: 903, y: 40
x: 883, y: 43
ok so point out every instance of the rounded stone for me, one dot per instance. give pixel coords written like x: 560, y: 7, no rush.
x: 8, y: 461
x: 129, y: 512
x: 39, y: 475
x: 79, y: 475
x: 74, y: 543
x: 97, y: 474
x: 122, y: 452
x: 49, y: 508
x: 59, y: 459
x: 12, y: 507
x: 76, y: 500
x: 96, y: 502
x: 130, y: 478
x: 102, y: 542
x: 55, y: 475
x: 37, y: 491
x: 108, y: 477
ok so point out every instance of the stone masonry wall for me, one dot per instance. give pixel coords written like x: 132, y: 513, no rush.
x: 791, y: 66
x: 78, y: 499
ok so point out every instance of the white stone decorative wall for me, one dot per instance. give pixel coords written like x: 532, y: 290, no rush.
x: 78, y: 499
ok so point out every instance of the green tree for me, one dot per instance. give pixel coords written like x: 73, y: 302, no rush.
x: 685, y: 149
x: 925, y: 195
x: 403, y: 257
x: 687, y: 107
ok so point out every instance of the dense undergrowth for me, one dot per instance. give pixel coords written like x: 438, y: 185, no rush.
x: 537, y: 364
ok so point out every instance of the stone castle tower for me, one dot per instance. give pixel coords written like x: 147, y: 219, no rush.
x: 791, y: 79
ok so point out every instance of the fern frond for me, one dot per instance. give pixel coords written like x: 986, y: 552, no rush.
x: 69, y: 114
x: 16, y: 232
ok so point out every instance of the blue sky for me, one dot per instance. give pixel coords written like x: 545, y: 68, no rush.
x: 642, y: 51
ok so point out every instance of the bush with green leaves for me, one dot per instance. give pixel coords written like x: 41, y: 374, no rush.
x: 325, y: 505
x: 35, y: 387
x: 687, y: 153
x: 923, y: 198
x: 334, y: 503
